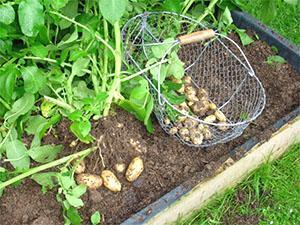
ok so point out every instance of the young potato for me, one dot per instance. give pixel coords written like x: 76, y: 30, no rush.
x: 110, y: 181
x: 173, y: 130
x: 210, y: 119
x: 79, y: 166
x: 90, y: 180
x: 190, y: 123
x: 135, y: 169
x: 202, y: 93
x: 187, y: 80
x: 212, y: 106
x: 199, y: 108
x: 191, y: 98
x: 167, y: 121
x: 184, y: 132
x: 220, y: 116
x: 190, y: 90
x: 196, y: 136
x: 207, y: 133
x: 120, y: 167
x: 224, y: 127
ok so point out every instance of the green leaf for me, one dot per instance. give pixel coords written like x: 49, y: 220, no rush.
x: 96, y: 218
x: 16, y: 153
x: 81, y: 129
x: 292, y: 2
x: 20, y: 107
x: 34, y: 79
x: 39, y: 50
x: 163, y: 72
x: 33, y: 123
x: 31, y: 17
x: 74, y: 216
x: 275, y: 59
x: 172, y: 5
x: 66, y: 180
x: 74, y: 201
x: 44, y: 154
x: 174, y: 98
x: 79, y: 65
x: 7, y: 14
x: 46, y: 180
x: 78, y: 191
x: 269, y: 10
x: 58, y: 4
x: 148, y: 111
x: 160, y: 50
x: 176, y: 66
x: 245, y: 39
x: 7, y: 81
x: 112, y: 10
x: 226, y: 17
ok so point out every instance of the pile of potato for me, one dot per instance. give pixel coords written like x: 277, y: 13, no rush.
x: 107, y: 177
x: 197, y: 104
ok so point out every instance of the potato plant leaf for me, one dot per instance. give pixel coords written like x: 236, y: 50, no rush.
x: 172, y: 5
x: 20, y: 107
x: 58, y: 4
x: 112, y: 10
x: 74, y: 201
x: 275, y: 59
x: 7, y: 14
x: 44, y: 154
x: 31, y: 17
x: 96, y: 218
x: 34, y: 79
x: 79, y: 65
x: 245, y: 38
x: 8, y: 77
x: 16, y: 153
x: 47, y: 180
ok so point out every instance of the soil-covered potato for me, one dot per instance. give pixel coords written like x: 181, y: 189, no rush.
x: 173, y: 130
x: 135, y: 169
x: 110, y: 181
x: 190, y: 123
x: 212, y: 106
x: 196, y: 136
x: 90, y: 180
x: 224, y: 127
x: 210, y: 119
x: 202, y: 93
x: 79, y: 166
x: 184, y: 133
x: 199, y: 108
x: 187, y: 80
x: 207, y: 133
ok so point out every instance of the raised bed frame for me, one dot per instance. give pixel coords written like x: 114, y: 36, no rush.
x: 181, y: 201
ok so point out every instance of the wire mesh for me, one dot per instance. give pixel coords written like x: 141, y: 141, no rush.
x: 218, y: 65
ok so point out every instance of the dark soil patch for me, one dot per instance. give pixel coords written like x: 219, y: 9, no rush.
x: 167, y: 162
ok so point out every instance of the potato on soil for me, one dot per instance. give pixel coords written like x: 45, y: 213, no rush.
x: 110, y: 181
x: 210, y: 119
x: 79, y: 166
x: 135, y: 169
x: 120, y: 167
x: 90, y: 180
x: 220, y: 116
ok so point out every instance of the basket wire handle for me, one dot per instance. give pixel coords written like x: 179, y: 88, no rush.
x: 197, y: 36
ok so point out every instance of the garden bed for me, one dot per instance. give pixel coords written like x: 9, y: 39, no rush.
x: 167, y: 162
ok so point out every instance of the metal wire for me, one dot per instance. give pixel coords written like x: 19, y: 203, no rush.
x: 218, y: 65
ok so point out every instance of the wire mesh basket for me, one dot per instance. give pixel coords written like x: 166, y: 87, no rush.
x: 216, y: 65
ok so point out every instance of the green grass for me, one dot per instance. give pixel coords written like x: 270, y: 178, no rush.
x: 277, y: 14
x: 270, y: 195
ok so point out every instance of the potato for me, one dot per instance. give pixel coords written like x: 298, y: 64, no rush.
x: 187, y: 80
x: 196, y: 136
x: 181, y: 90
x: 210, y: 119
x: 207, y: 133
x: 90, y: 180
x: 184, y: 133
x: 200, y: 127
x: 199, y: 108
x: 220, y: 116
x: 183, y: 106
x: 167, y: 121
x: 189, y: 90
x: 224, y: 127
x: 202, y: 93
x: 191, y: 98
x: 135, y: 169
x: 212, y: 106
x: 110, y: 181
x: 120, y: 167
x: 189, y: 123
x: 173, y: 130
x: 79, y: 166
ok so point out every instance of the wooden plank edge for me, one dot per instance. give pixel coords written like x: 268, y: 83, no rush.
x: 204, y: 191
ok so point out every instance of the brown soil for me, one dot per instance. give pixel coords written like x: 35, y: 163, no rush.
x: 167, y: 162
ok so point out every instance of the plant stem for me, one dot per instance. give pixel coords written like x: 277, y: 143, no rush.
x: 5, y: 104
x: 187, y: 6
x: 46, y: 166
x: 144, y: 70
x: 208, y: 10
x: 118, y: 63
x: 105, y: 58
x: 59, y: 103
x: 85, y: 28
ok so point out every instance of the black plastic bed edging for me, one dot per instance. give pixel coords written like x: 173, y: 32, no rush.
x: 286, y: 49
x: 166, y: 200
